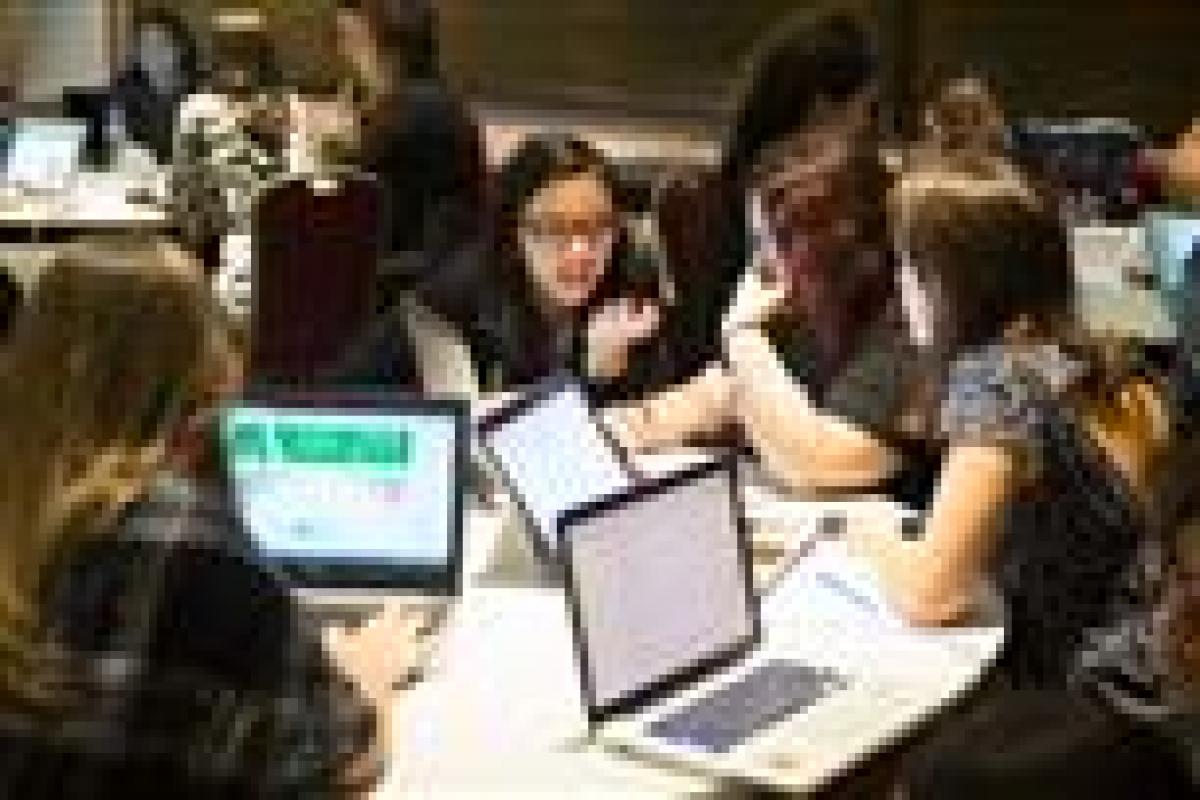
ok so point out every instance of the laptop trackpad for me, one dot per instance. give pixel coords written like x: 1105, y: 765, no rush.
x: 725, y: 718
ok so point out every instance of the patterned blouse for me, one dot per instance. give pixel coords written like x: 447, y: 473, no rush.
x: 1073, y: 535
x: 198, y: 674
x: 220, y: 169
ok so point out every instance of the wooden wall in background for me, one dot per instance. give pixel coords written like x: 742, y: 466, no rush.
x: 1123, y: 58
x: 1135, y: 58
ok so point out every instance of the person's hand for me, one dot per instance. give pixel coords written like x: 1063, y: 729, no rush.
x: 758, y: 298
x: 614, y: 330
x: 384, y: 652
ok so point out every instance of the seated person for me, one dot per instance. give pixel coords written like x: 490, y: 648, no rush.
x: 161, y: 73
x: 229, y: 145
x: 419, y: 139
x: 118, y: 551
x: 963, y: 126
x: 813, y: 382
x: 1041, y: 485
x: 1127, y: 725
x: 554, y: 286
x: 1182, y: 168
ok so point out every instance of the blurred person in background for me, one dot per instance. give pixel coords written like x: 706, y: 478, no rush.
x: 963, y: 125
x: 162, y: 70
x: 418, y: 138
x: 140, y: 644
x: 229, y: 144
x: 812, y: 382
x: 1182, y: 168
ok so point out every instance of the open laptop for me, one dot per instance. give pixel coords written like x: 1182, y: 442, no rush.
x: 42, y: 153
x: 551, y: 453
x: 672, y: 661
x: 356, y: 498
x: 1172, y: 237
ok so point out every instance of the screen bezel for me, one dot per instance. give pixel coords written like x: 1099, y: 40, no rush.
x: 671, y: 683
x: 443, y: 578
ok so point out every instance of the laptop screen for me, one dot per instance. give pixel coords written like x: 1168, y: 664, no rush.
x: 659, y: 583
x: 366, y: 487
x: 554, y: 456
x: 43, y: 152
x: 1172, y: 237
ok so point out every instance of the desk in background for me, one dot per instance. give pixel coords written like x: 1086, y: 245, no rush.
x: 35, y: 223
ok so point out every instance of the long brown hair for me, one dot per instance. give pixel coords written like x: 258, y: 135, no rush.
x: 995, y: 259
x: 986, y: 249
x: 117, y: 348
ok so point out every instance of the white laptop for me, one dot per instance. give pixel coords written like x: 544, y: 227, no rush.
x: 552, y: 453
x: 355, y: 498
x: 43, y: 153
x: 673, y: 665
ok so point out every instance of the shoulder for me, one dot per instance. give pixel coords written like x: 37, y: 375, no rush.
x: 1002, y: 393
x: 200, y: 107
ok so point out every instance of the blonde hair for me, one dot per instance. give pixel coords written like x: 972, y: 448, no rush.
x: 117, y: 347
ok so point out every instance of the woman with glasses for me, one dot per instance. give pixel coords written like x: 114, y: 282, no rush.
x: 556, y: 285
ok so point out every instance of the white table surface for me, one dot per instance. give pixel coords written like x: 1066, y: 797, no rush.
x: 86, y: 200
x: 501, y: 713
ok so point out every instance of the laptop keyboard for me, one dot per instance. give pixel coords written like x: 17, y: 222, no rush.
x: 729, y: 716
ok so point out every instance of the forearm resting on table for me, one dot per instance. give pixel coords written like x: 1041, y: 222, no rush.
x: 802, y: 446
x: 935, y: 579
x: 697, y: 408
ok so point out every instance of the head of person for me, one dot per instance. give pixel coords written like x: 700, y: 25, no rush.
x: 164, y: 49
x: 1182, y: 167
x: 118, y: 355
x: 559, y: 220
x: 804, y: 158
x: 244, y: 58
x: 964, y: 120
x: 981, y: 257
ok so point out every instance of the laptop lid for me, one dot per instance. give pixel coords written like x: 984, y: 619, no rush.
x: 1171, y: 238
x: 553, y: 454
x: 43, y: 152
x: 351, y: 490
x: 660, y: 588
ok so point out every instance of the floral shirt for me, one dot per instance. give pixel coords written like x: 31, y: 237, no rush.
x: 220, y: 170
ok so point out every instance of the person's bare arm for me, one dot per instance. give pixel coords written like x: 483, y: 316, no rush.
x: 804, y: 447
x: 668, y: 419
x: 934, y: 580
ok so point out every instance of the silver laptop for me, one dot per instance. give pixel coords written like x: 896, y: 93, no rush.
x: 356, y: 499
x: 551, y: 453
x: 671, y: 658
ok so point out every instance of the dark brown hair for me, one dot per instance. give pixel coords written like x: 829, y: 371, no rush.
x: 987, y: 250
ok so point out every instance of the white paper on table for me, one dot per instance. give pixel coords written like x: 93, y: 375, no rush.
x: 829, y: 584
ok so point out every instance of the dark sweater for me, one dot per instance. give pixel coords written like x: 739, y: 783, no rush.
x: 200, y: 679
